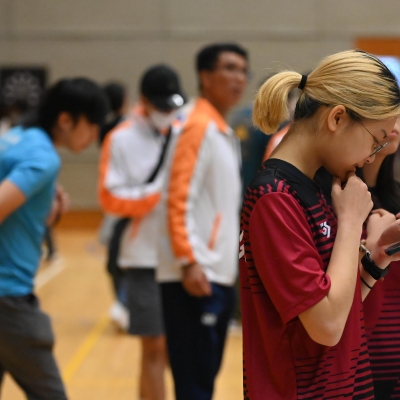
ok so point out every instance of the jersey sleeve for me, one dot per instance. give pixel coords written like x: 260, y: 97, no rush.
x: 188, y: 169
x: 33, y: 170
x: 285, y: 255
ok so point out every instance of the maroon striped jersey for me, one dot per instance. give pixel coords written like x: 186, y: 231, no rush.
x: 382, y: 325
x: 288, y: 229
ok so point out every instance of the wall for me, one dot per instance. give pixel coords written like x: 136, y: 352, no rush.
x: 106, y: 39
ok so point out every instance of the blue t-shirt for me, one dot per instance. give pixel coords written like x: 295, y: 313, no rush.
x: 29, y: 160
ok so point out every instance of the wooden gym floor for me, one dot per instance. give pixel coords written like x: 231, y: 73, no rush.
x: 96, y: 360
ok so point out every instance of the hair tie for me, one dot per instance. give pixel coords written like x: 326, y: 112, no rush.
x: 303, y: 82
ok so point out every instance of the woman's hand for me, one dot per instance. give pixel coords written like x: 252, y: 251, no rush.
x: 387, y: 237
x: 378, y: 221
x: 352, y: 203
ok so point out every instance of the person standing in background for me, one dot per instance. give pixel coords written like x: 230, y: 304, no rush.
x: 131, y: 180
x: 69, y: 115
x: 117, y: 96
x: 198, y: 253
x: 382, y: 305
x: 253, y: 143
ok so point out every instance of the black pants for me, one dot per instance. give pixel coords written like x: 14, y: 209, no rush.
x: 196, y: 330
x: 26, y: 344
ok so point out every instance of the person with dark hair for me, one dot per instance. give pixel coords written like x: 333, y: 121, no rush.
x: 207, y: 58
x: 198, y: 256
x: 382, y: 305
x: 116, y: 94
x: 69, y: 115
x: 118, y: 100
x: 302, y: 285
x: 132, y: 174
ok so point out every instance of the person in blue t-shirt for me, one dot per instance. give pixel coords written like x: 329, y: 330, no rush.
x: 70, y: 116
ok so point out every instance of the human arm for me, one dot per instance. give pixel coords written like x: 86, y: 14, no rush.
x: 28, y: 171
x: 11, y: 198
x: 121, y: 187
x: 59, y: 207
x: 382, y: 231
x: 292, y: 269
x: 188, y: 169
x: 326, y: 320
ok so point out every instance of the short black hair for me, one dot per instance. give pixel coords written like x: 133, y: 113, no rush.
x: 76, y: 96
x: 208, y: 56
x: 116, y: 93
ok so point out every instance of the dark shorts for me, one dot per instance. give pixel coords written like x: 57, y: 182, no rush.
x: 143, y: 302
x: 26, y: 348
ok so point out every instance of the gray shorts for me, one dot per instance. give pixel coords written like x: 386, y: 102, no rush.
x: 143, y: 302
x: 26, y: 348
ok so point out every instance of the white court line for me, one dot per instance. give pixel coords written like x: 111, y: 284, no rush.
x: 49, y: 273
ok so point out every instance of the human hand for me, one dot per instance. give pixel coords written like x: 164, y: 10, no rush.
x: 62, y: 198
x: 195, y: 281
x: 352, y: 203
x: 377, y: 222
x: 60, y: 205
x: 389, y: 236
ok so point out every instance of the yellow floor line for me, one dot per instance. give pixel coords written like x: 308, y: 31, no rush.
x: 85, y: 348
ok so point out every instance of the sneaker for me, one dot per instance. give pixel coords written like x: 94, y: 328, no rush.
x: 119, y: 314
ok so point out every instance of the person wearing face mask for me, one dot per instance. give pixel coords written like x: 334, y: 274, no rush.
x: 132, y: 170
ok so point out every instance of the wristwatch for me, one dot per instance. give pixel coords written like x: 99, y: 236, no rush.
x: 372, y: 268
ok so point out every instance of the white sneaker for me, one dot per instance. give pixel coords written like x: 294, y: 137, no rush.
x: 119, y: 314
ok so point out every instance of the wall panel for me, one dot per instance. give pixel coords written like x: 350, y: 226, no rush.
x: 362, y: 17
x: 118, y: 39
x: 98, y: 15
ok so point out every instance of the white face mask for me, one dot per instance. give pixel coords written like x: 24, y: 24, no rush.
x: 161, y: 120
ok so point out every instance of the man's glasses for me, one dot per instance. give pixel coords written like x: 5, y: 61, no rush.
x: 379, y: 146
x: 234, y: 69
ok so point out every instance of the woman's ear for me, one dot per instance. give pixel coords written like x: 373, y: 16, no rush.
x: 336, y: 117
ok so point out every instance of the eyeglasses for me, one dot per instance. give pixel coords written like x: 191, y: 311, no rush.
x: 379, y: 146
x: 235, y: 70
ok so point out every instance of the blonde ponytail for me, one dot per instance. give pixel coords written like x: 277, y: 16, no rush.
x: 355, y: 79
x: 270, y: 107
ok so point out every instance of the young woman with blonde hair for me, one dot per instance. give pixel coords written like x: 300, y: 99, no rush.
x: 301, y: 285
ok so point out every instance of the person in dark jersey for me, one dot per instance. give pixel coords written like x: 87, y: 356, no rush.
x: 301, y: 284
x: 382, y: 305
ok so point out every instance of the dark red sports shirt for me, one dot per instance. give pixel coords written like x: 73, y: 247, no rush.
x: 287, y: 234
x: 382, y: 323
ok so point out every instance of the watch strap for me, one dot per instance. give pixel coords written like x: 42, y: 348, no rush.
x: 372, y: 268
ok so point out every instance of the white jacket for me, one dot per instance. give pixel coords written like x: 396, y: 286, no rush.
x: 200, y: 211
x: 129, y: 155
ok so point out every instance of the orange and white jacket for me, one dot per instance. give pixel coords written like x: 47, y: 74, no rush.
x: 200, y: 221
x: 129, y: 155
